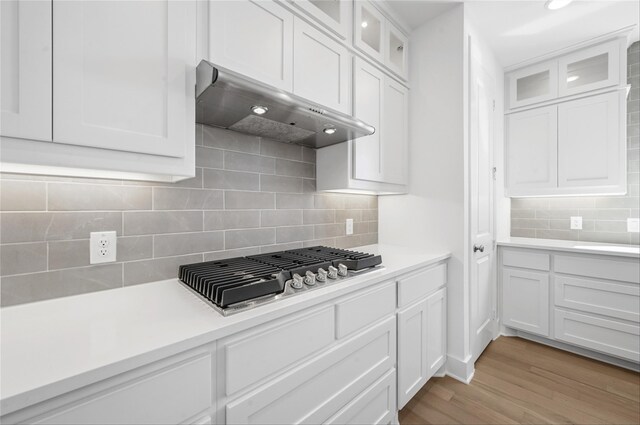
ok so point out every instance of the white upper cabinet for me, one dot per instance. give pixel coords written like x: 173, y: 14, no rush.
x: 254, y: 38
x: 396, y: 57
x: 591, y: 149
x: 532, y: 144
x: 321, y: 68
x: 333, y: 14
x: 379, y: 38
x: 574, y: 143
x: 121, y: 73
x: 368, y: 30
x: 395, y: 132
x: 590, y: 69
x: 375, y: 163
x: 368, y: 90
x: 533, y: 84
x: 25, y: 69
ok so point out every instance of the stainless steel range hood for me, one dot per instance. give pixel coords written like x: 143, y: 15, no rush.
x: 229, y: 100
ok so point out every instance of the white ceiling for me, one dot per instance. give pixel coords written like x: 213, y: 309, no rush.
x: 521, y: 30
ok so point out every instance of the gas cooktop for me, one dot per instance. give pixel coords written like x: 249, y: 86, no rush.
x: 237, y: 284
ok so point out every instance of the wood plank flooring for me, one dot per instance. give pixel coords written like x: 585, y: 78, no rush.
x: 521, y: 382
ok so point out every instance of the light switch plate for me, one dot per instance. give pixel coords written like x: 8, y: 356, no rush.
x: 102, y: 247
x: 576, y: 223
x: 633, y: 225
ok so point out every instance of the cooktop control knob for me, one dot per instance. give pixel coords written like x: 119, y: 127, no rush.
x: 333, y: 272
x: 297, y: 281
x: 309, y: 278
x: 322, y: 275
x: 342, y: 270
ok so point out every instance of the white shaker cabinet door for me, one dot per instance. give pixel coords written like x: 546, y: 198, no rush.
x: 368, y: 87
x: 25, y: 69
x: 412, y: 351
x: 436, y: 331
x: 124, y: 75
x: 525, y: 301
x: 394, y: 132
x: 321, y: 68
x: 592, y: 143
x: 532, y: 143
x: 254, y: 38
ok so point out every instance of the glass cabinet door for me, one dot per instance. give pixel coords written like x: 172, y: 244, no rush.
x: 533, y: 84
x: 590, y: 69
x: 333, y: 14
x: 396, y: 53
x: 369, y: 30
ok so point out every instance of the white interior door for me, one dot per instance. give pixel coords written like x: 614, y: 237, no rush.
x: 482, y: 283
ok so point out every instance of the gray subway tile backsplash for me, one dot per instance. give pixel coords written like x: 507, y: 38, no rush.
x: 249, y: 196
x: 604, y: 218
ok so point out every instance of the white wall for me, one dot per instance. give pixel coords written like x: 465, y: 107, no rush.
x: 433, y: 213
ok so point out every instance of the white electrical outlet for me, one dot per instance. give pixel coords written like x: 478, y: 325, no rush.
x: 633, y: 225
x: 349, y: 226
x: 102, y: 247
x: 576, y: 223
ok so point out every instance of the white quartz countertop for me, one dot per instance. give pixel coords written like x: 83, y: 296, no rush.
x: 632, y: 251
x: 51, y: 347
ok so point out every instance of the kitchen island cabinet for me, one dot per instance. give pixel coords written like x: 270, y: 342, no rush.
x: 126, y: 349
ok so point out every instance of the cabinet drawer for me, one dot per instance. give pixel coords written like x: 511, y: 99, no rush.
x: 525, y: 259
x: 169, y: 396
x: 608, y: 336
x: 619, y: 269
x: 312, y: 393
x: 363, y: 310
x: 279, y: 346
x: 376, y: 405
x: 594, y: 296
x: 421, y: 284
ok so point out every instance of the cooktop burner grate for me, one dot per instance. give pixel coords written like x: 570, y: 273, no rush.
x: 241, y: 280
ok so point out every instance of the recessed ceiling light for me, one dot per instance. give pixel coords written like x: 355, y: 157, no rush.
x: 556, y: 4
x: 259, y: 110
x: 329, y: 130
x: 572, y: 78
x: 364, y: 24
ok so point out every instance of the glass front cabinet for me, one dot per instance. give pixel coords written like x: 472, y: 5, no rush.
x: 589, y: 69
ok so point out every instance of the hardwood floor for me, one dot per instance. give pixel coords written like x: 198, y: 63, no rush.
x: 521, y: 382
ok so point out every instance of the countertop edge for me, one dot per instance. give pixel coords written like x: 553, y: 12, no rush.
x: 555, y: 246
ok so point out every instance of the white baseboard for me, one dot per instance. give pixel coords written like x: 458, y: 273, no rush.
x: 460, y: 370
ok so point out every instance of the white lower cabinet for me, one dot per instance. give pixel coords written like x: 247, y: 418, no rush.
x: 354, y: 359
x: 421, y: 331
x: 589, y: 301
x: 376, y: 405
x: 313, y: 392
x: 525, y: 300
x: 175, y: 390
